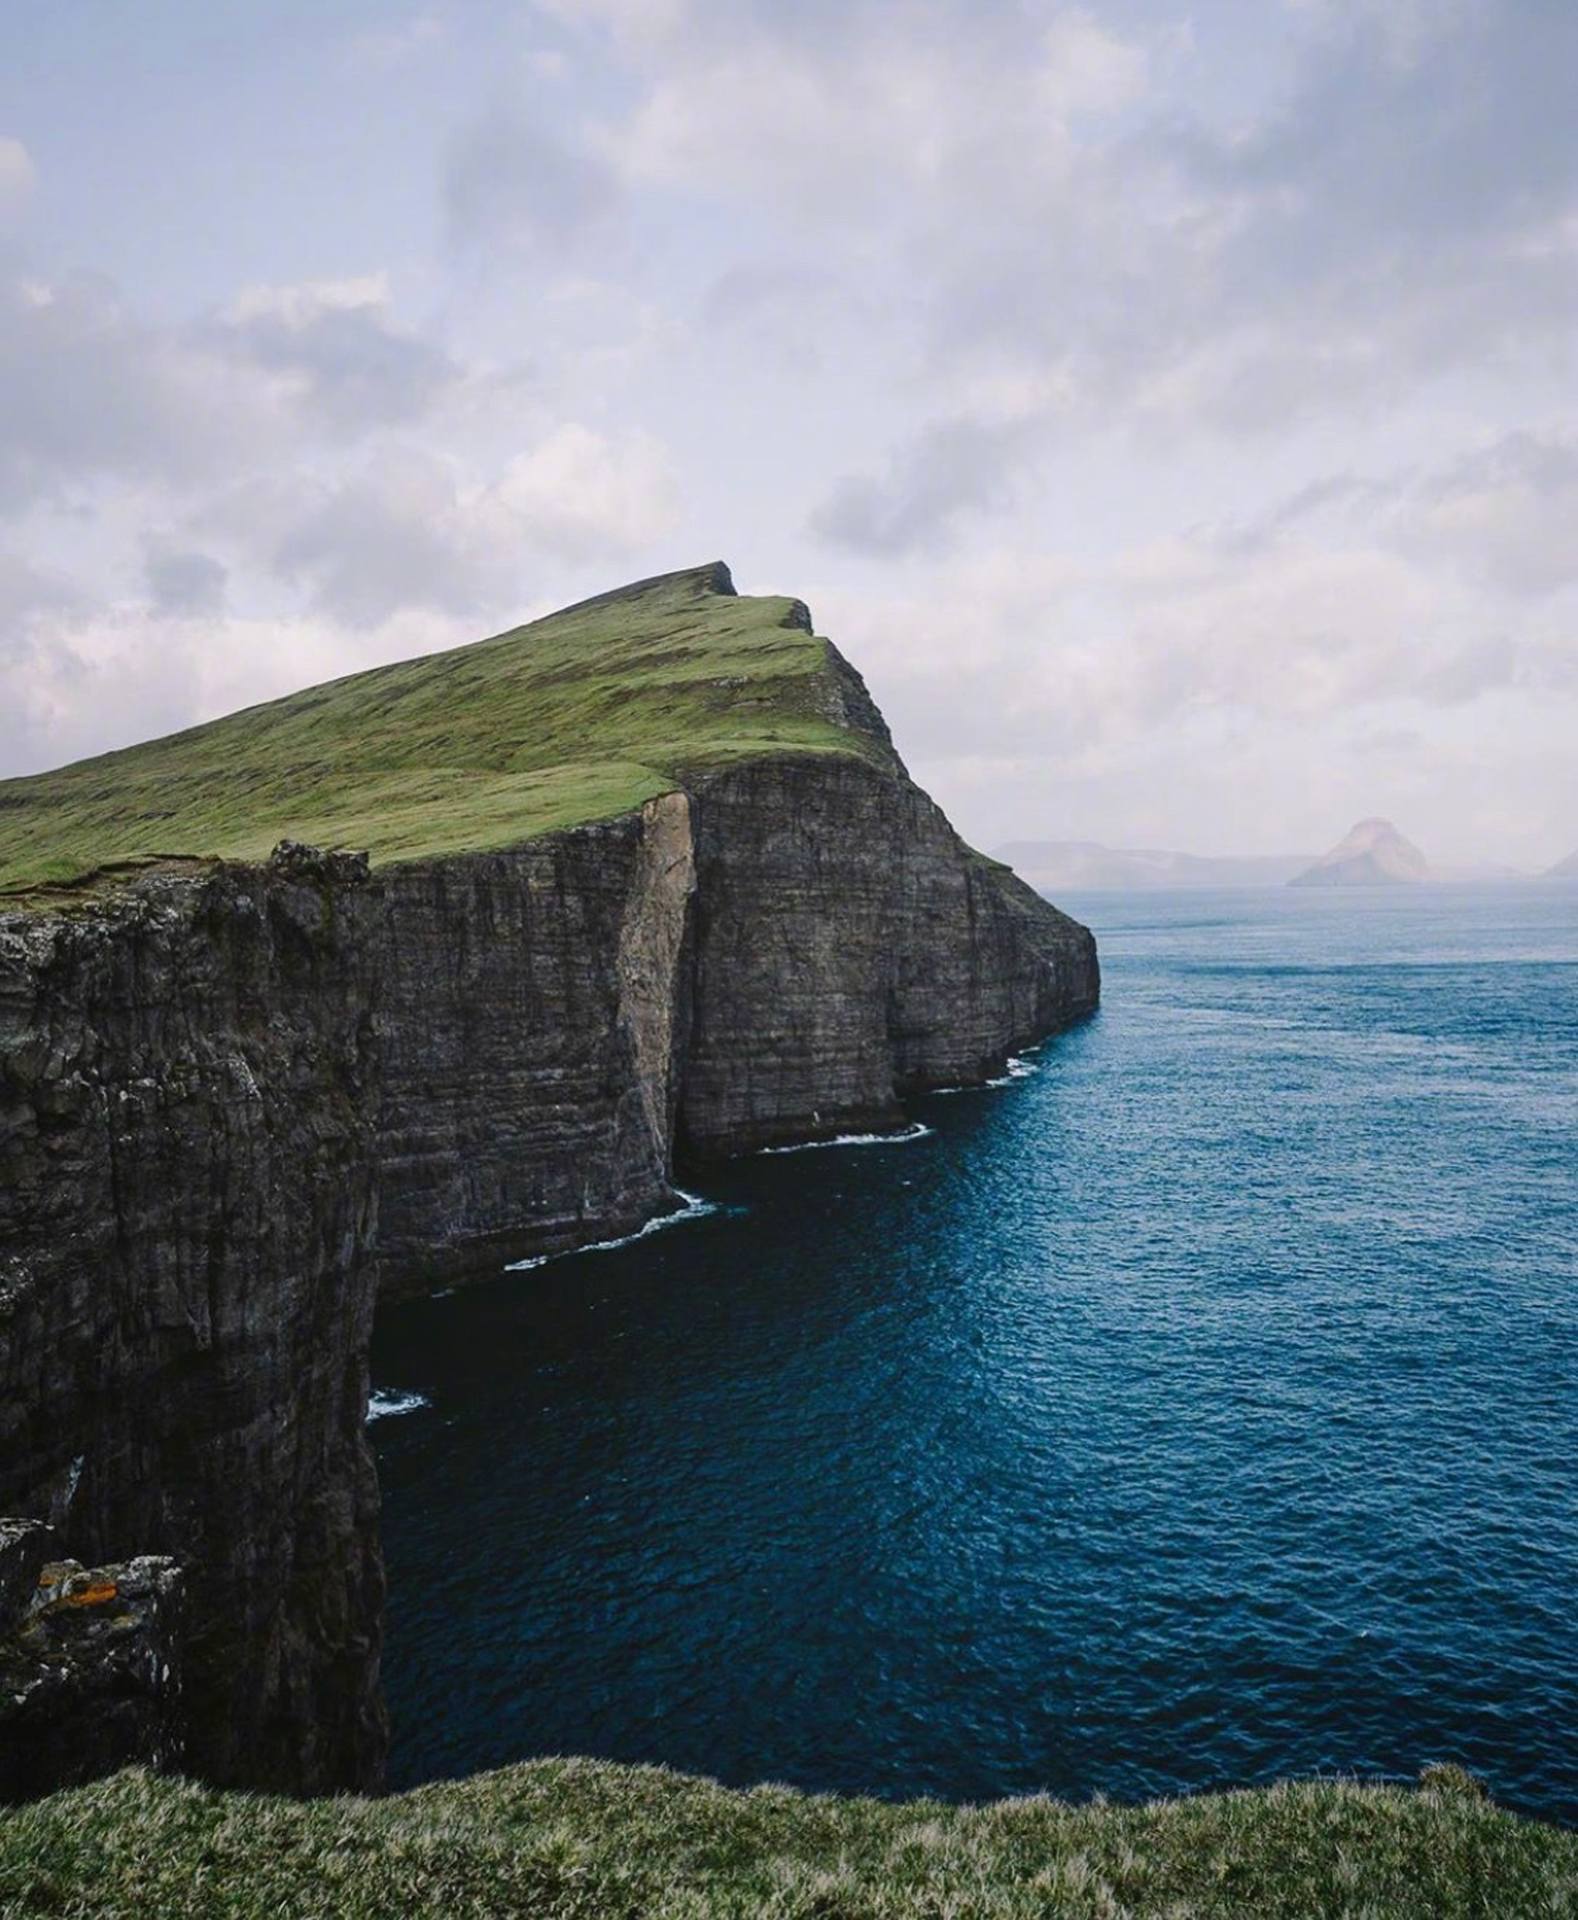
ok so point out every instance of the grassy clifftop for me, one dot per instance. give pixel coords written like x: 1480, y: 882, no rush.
x: 584, y: 1838
x: 575, y: 717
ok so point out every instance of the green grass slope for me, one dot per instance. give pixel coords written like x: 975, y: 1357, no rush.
x: 576, y: 717
x: 585, y: 1838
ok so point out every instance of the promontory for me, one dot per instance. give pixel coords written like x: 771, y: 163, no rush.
x: 382, y: 986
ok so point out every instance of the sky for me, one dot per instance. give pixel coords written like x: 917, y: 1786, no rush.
x: 1171, y: 408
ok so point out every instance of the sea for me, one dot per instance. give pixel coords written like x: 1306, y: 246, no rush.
x: 1196, y: 1407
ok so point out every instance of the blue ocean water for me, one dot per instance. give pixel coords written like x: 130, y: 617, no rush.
x: 1200, y: 1408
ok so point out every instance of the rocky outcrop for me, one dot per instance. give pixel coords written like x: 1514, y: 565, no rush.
x: 236, y: 1100
x: 90, y: 1665
x: 188, y: 1111
x: 24, y: 1547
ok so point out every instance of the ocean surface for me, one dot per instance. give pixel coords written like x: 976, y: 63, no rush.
x: 1199, y: 1407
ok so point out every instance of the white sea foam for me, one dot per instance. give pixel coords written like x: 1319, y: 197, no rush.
x: 385, y: 1401
x: 1018, y: 1068
x: 917, y: 1131
x: 694, y: 1208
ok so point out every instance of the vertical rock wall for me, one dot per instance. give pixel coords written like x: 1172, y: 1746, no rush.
x: 529, y: 1014
x: 187, y: 1144
x: 849, y: 950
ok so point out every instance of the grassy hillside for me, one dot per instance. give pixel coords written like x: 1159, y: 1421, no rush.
x: 580, y: 1837
x: 576, y: 717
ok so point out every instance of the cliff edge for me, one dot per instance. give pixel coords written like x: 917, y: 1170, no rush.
x: 641, y: 883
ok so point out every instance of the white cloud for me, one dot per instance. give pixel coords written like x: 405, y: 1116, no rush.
x: 395, y: 535
x: 337, y: 353
x: 299, y: 307
x: 1353, y: 604
x: 1505, y: 512
x: 18, y: 176
x: 182, y: 582
x: 515, y: 183
x: 90, y: 389
x: 18, y: 173
x: 580, y: 493
x: 400, y: 41
x: 844, y: 118
x: 953, y: 470
x: 415, y: 531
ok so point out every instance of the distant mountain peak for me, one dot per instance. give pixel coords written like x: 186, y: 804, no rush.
x: 1371, y: 832
x: 1371, y: 854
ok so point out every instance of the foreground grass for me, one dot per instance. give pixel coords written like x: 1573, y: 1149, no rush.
x: 578, y: 1837
x: 577, y: 717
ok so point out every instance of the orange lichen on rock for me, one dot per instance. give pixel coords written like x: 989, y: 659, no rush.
x: 95, y: 1594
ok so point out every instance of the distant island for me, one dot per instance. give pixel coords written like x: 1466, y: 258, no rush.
x: 1372, y: 854
x: 1564, y: 869
x: 1053, y: 866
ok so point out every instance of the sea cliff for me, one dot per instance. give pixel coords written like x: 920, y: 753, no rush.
x: 239, y: 1095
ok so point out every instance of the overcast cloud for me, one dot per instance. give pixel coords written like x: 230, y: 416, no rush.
x: 1168, y: 406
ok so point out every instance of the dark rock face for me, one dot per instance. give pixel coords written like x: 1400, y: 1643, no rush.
x: 232, y: 1104
x: 526, y: 1089
x: 850, y: 950
x: 187, y: 1145
x: 24, y: 1547
x: 90, y: 1674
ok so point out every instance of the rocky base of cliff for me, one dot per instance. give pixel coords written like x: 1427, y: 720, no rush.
x: 90, y: 1664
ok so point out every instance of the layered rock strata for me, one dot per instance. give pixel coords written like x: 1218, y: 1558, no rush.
x: 529, y: 1020
x: 188, y: 1152
x: 850, y: 950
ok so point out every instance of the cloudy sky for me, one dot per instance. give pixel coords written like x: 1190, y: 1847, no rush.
x: 1170, y: 406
